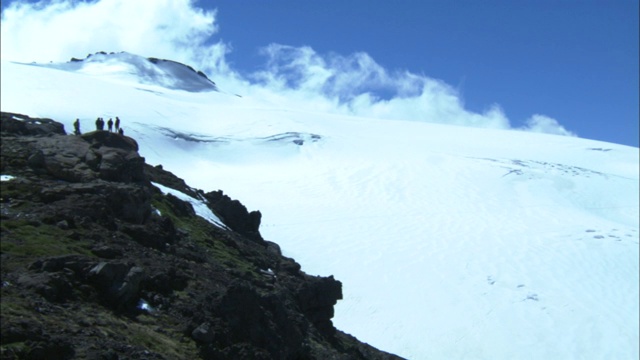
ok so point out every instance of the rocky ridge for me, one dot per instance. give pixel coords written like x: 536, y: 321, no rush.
x: 99, y: 263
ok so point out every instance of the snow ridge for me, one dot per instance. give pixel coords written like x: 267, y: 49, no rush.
x: 152, y: 71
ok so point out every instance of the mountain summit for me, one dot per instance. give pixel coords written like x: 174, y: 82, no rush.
x: 151, y: 71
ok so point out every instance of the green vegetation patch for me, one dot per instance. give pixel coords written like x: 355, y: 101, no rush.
x: 155, y: 333
x: 27, y: 238
x: 200, y: 231
x: 150, y: 332
x: 17, y: 189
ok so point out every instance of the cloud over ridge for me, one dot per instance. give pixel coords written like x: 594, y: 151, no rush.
x: 292, y: 77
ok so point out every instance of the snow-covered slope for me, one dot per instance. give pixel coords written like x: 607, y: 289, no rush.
x: 134, y: 69
x: 451, y: 242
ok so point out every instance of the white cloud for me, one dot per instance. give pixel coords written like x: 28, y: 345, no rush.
x: 58, y: 30
x: 294, y: 77
x: 356, y: 84
x: 544, y: 124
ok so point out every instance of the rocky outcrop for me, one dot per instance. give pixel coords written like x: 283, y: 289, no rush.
x: 316, y: 297
x: 24, y: 125
x: 235, y: 215
x: 97, y: 263
x: 95, y: 155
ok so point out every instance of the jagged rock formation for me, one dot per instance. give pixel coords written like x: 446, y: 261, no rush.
x: 98, y: 263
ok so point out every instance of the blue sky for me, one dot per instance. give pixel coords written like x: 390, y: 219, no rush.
x: 576, y: 61
x: 497, y: 61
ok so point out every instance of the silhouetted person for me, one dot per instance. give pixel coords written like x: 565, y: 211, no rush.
x: 110, y: 124
x: 76, y: 127
x: 117, y: 123
x: 120, y: 131
x: 99, y: 124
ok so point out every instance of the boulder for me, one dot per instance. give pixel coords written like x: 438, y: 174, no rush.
x: 118, y: 282
x: 316, y: 298
x: 18, y: 124
x: 98, y: 139
x: 203, y: 333
x: 54, y: 287
x: 235, y: 215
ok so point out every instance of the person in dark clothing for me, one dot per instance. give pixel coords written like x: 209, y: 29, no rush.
x: 117, y: 123
x: 120, y: 131
x: 100, y: 124
x: 76, y: 127
x: 110, y: 124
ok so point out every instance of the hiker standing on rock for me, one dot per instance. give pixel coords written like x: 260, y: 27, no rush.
x: 110, y: 124
x: 100, y: 124
x: 117, y: 123
x: 76, y: 127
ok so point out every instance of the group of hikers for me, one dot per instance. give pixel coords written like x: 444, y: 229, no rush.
x: 100, y: 125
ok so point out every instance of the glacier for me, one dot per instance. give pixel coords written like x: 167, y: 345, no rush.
x: 451, y: 242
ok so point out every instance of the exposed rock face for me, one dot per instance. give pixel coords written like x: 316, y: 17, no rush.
x: 97, y: 263
x: 95, y: 155
x: 23, y: 125
x: 317, y: 297
x: 235, y: 215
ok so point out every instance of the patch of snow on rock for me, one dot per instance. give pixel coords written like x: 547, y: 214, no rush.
x: 199, y: 206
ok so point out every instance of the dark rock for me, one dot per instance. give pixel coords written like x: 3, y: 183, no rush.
x: 166, y: 282
x: 273, y: 248
x: 119, y: 282
x: 100, y: 200
x: 161, y: 176
x: 261, y: 321
x: 64, y: 160
x: 77, y: 263
x: 157, y: 232
x: 36, y: 161
x: 291, y: 267
x: 316, y: 298
x: 109, y: 355
x: 235, y: 215
x: 203, y: 333
x: 18, y: 124
x: 130, y: 288
x: 20, y: 331
x: 105, y: 274
x: 180, y: 207
x: 63, y: 224
x: 107, y: 252
x: 52, y: 349
x: 54, y: 287
x: 99, y: 139
x: 98, y: 154
x: 115, y: 157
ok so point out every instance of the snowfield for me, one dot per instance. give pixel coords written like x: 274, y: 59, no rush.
x: 451, y: 242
